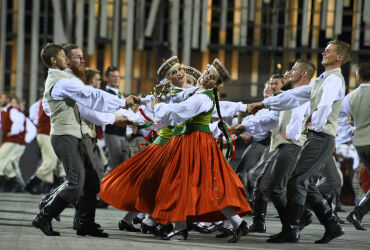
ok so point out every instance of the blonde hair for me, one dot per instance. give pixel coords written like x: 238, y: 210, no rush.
x: 342, y: 48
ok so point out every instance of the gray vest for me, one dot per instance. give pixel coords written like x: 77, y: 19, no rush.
x: 277, y: 138
x: 331, y: 125
x: 86, y: 126
x: 359, y: 101
x: 65, y: 117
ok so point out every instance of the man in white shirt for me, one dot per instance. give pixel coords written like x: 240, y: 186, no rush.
x: 115, y: 137
x: 325, y: 94
x: 63, y: 93
x: 356, y: 104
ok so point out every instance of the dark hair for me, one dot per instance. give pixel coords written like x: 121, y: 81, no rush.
x: 48, y: 51
x: 18, y: 100
x: 110, y: 69
x: 308, y: 66
x: 363, y: 70
x: 68, y: 49
x: 342, y: 48
x: 277, y: 76
x: 90, y: 74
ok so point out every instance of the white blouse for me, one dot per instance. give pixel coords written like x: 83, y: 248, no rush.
x: 172, y: 114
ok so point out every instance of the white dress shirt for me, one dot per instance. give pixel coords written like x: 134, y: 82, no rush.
x: 31, y: 131
x: 18, y: 119
x: 34, y: 112
x: 333, y: 90
x: 95, y: 117
x: 269, y: 120
x: 91, y: 98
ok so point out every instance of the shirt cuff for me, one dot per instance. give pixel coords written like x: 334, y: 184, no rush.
x: 111, y: 119
x: 243, y: 107
x: 123, y: 103
x: 266, y: 103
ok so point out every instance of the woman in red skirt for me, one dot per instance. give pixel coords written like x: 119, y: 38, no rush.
x: 121, y: 187
x: 198, y: 184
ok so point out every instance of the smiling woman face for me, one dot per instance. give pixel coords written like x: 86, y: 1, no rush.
x: 177, y: 76
x: 209, y: 79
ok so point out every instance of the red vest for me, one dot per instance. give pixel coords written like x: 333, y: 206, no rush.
x: 99, y: 132
x: 6, y: 124
x: 43, y: 126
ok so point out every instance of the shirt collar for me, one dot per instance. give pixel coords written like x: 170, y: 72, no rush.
x: 330, y: 71
x: 365, y: 84
x: 113, y: 89
x: 6, y: 107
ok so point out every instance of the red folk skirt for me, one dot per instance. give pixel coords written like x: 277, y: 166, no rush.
x: 132, y: 185
x: 197, y: 183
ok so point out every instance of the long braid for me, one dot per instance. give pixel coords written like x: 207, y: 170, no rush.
x: 222, y: 126
x: 215, y: 92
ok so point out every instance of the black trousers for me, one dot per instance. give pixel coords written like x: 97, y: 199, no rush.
x: 364, y: 154
x: 275, y: 180
x: 314, y: 154
x: 330, y: 180
x: 82, y: 179
x: 251, y: 156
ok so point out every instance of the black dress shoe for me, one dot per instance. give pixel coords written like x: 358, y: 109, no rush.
x: 44, y: 224
x: 274, y: 236
x: 156, y: 230
x: 13, y: 186
x: 137, y: 220
x: 238, y: 232
x: 355, y: 219
x: 225, y: 234
x: 162, y: 230
x: 257, y: 227
x: 181, y: 235
x: 291, y: 235
x: 123, y: 225
x: 332, y: 231
x: 88, y: 229
x: 75, y: 224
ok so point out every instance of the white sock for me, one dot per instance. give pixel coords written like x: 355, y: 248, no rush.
x: 179, y: 226
x: 232, y: 216
x: 140, y: 215
x: 219, y: 222
x: 130, y: 216
x: 227, y: 224
x: 149, y: 221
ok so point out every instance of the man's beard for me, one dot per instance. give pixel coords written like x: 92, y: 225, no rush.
x: 79, y: 72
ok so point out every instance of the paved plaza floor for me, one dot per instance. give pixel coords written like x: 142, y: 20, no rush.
x: 18, y: 210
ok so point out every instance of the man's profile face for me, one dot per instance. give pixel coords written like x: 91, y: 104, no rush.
x: 329, y: 56
x: 61, y: 60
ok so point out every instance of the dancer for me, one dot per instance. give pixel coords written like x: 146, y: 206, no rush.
x: 62, y: 91
x: 286, y: 143
x: 140, y: 174
x: 198, y: 184
x: 356, y: 104
x: 325, y: 94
